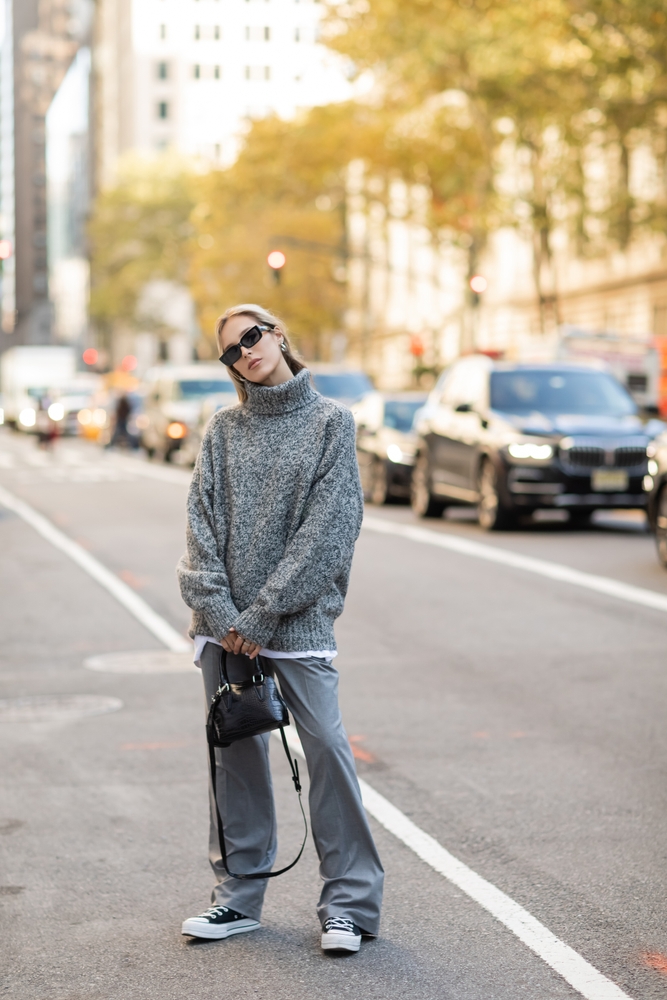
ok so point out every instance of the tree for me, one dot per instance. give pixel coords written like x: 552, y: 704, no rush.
x: 137, y: 233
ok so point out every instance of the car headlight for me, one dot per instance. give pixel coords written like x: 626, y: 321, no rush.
x: 394, y: 453
x: 99, y: 417
x: 653, y: 467
x: 56, y: 411
x: 27, y: 417
x: 84, y: 417
x: 176, y: 431
x: 538, y: 452
x: 2, y: 415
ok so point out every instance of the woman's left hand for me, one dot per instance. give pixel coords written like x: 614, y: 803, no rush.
x: 236, y: 643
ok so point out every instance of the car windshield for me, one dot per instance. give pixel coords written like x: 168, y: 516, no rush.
x: 563, y: 392
x: 342, y: 385
x: 399, y: 414
x: 194, y: 388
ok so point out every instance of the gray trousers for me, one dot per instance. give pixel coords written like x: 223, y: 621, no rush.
x: 349, y: 864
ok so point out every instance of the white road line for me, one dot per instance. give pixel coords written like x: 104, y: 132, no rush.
x: 568, y: 963
x: 579, y: 973
x: 160, y: 628
x: 542, y: 567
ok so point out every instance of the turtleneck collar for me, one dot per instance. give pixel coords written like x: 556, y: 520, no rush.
x: 276, y: 399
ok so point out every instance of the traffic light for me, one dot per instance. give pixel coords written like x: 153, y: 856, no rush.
x: 276, y: 261
x: 478, y: 284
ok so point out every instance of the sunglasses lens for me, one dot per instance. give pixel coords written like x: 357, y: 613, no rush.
x: 251, y: 337
x: 231, y: 355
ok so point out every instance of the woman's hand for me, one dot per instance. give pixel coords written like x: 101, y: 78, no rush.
x: 233, y: 642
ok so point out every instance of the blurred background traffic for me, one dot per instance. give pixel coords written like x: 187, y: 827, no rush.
x: 458, y: 207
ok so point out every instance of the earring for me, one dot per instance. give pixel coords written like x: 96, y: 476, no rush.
x: 282, y: 345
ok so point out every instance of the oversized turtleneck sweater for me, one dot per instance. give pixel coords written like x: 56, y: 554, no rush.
x: 274, y: 509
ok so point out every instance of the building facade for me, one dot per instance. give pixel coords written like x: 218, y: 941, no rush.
x: 188, y: 75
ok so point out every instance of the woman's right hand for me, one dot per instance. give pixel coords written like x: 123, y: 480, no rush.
x: 235, y: 643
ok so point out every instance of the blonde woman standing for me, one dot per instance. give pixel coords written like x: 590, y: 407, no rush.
x: 274, y: 510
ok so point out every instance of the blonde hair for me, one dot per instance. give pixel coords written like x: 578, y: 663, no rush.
x: 267, y: 318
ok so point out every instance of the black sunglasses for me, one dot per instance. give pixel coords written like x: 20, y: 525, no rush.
x: 248, y: 340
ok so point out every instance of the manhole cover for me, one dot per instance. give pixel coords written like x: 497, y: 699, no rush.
x: 56, y: 707
x: 152, y: 661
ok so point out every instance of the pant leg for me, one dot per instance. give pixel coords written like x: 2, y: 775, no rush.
x: 349, y: 863
x: 245, y: 800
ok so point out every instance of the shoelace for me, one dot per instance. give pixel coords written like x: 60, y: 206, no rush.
x: 215, y: 911
x: 339, y: 924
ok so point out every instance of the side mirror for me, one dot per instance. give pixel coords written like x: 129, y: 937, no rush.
x: 464, y: 408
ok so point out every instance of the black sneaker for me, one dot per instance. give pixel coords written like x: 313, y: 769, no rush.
x: 340, y: 934
x: 218, y: 922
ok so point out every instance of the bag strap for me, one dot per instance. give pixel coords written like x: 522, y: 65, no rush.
x: 221, y: 834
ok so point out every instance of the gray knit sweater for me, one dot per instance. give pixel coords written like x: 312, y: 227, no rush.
x: 274, y: 510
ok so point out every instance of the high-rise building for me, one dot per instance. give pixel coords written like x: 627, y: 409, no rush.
x: 38, y: 42
x: 188, y: 74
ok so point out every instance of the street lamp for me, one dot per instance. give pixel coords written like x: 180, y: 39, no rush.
x: 276, y: 260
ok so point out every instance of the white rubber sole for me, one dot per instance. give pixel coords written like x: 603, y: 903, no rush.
x: 340, y: 941
x: 216, y: 932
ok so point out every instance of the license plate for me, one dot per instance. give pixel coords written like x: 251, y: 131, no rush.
x: 609, y: 480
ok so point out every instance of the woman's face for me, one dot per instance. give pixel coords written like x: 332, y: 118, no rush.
x: 258, y: 363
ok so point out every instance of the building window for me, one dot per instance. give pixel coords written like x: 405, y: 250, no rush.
x: 258, y: 72
x: 207, y: 32
x: 162, y: 109
x: 163, y: 31
x: 203, y: 72
x: 257, y: 34
x: 163, y: 71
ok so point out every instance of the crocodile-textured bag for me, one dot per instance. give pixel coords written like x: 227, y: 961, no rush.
x: 237, y: 712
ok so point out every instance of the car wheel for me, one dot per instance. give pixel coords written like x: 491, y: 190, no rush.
x: 423, y: 503
x: 580, y: 518
x: 661, y: 526
x: 492, y: 513
x: 380, y: 483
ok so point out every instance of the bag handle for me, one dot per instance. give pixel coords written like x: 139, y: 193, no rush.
x: 221, y: 834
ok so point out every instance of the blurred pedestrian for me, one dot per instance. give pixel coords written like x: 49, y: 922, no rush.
x: 121, y: 434
x: 274, y: 510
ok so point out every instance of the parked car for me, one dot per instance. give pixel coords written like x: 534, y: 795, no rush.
x: 347, y: 385
x: 656, y: 481
x: 386, y: 444
x: 173, y: 401
x: 513, y: 438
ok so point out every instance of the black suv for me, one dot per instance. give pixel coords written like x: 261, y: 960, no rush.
x: 513, y: 438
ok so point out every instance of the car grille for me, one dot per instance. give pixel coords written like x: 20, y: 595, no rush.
x: 591, y: 456
x: 628, y: 456
x: 586, y: 458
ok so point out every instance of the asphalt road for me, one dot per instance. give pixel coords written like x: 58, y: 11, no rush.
x: 516, y: 719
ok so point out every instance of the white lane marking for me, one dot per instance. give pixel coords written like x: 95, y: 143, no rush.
x: 568, y: 963
x: 154, y: 622
x: 542, y: 567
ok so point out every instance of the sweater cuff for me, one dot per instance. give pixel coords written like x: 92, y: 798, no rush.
x: 220, y: 618
x: 257, y: 624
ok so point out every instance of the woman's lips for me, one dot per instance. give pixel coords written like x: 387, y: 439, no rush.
x: 254, y: 363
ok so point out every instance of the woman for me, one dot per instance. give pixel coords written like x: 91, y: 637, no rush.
x: 274, y: 510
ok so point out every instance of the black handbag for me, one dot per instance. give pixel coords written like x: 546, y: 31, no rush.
x: 238, y: 711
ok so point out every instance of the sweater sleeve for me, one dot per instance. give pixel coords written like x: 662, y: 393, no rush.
x: 321, y: 549
x: 201, y: 571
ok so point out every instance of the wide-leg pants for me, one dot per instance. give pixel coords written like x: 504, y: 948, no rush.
x: 349, y: 864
